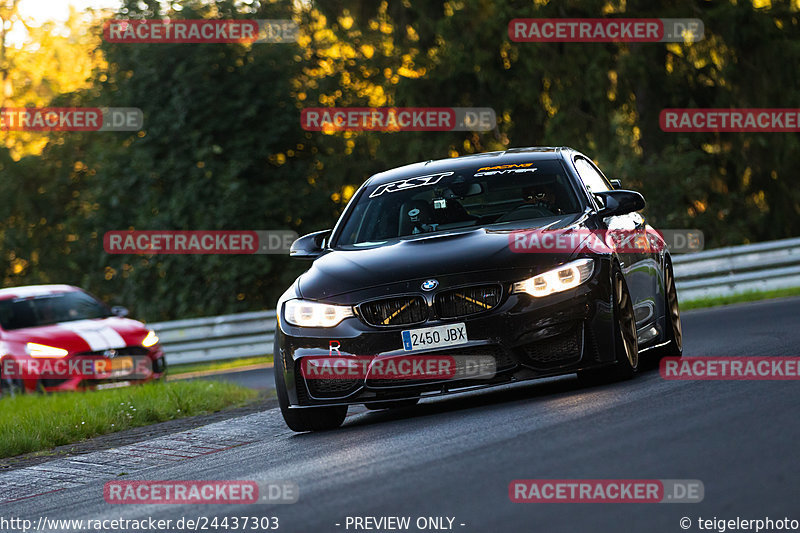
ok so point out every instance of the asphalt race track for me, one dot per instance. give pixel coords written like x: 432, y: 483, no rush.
x: 456, y: 456
x: 259, y: 379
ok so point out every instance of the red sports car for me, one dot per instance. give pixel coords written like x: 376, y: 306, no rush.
x: 59, y: 337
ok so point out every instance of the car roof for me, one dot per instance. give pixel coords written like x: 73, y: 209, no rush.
x: 28, y: 291
x: 512, y: 155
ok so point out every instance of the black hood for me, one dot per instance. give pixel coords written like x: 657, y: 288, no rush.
x: 444, y: 254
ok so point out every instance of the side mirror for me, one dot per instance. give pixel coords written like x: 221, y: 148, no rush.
x: 309, y: 246
x: 620, y: 202
x: 119, y: 311
x: 617, y: 184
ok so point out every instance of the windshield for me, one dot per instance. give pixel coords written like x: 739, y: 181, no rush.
x: 49, y: 309
x: 480, y: 196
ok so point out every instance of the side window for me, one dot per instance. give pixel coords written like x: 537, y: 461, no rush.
x: 593, y: 180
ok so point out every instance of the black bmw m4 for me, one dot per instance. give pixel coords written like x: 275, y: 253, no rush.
x: 452, y: 275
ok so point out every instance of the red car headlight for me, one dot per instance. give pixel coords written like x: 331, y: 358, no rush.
x: 42, y: 350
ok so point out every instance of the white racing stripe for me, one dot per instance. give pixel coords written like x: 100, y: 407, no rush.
x: 97, y: 335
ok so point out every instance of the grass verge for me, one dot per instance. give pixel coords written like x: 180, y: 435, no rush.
x: 36, y: 422
x: 187, y: 368
x: 751, y: 296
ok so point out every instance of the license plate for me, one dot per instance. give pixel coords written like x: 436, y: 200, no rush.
x: 115, y: 385
x: 120, y: 366
x: 435, y: 337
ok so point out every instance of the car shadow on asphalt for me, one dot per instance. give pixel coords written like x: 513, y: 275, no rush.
x: 544, y: 389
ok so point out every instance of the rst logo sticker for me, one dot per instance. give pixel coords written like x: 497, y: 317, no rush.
x: 513, y: 168
x: 409, y: 183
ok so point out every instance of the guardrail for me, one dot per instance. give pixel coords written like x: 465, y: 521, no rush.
x: 737, y: 269
x: 718, y: 272
x: 217, y: 337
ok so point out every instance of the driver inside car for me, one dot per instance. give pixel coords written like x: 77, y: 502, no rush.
x: 541, y: 196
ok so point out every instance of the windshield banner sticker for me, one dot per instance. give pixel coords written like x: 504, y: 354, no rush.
x: 409, y: 183
x: 514, y: 168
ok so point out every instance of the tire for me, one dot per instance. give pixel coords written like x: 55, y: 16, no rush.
x: 626, y: 341
x: 673, y: 332
x: 308, y: 418
x: 399, y: 404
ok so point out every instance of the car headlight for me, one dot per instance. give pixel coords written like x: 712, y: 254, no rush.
x: 150, y: 339
x: 42, y: 350
x: 314, y: 314
x: 563, y: 278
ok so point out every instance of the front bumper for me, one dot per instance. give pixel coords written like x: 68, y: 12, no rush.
x: 527, y: 337
x: 87, y: 370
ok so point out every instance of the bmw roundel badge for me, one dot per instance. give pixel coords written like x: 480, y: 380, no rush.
x: 429, y: 285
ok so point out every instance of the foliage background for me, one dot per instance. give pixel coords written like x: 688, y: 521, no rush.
x: 222, y: 146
